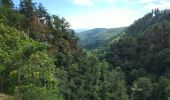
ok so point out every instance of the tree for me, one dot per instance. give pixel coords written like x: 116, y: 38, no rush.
x: 42, y: 13
x: 12, y: 18
x: 26, y: 66
x: 134, y: 89
x: 112, y: 84
x: 8, y: 3
x: 27, y: 8
x: 117, y: 85
x: 143, y: 89
x: 161, y: 89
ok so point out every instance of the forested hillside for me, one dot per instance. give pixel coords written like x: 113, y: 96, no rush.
x: 97, y: 38
x: 40, y: 57
x: 143, y: 54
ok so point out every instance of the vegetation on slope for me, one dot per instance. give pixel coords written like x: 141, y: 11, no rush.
x: 142, y: 53
x: 97, y: 38
x: 40, y: 59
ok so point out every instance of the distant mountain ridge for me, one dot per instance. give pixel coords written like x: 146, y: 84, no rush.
x: 80, y: 30
x: 96, y: 38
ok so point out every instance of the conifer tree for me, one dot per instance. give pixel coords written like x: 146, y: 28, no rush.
x: 7, y: 3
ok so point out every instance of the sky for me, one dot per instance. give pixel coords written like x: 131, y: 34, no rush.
x: 88, y: 14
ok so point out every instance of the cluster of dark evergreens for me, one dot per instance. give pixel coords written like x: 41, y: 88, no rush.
x: 40, y: 58
x: 143, y: 54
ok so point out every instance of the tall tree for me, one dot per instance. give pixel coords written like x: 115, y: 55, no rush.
x: 27, y: 8
x: 7, y: 3
x: 41, y: 13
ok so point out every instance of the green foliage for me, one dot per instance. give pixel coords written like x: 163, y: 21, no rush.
x: 97, y: 38
x: 26, y: 7
x: 145, y: 86
x: 49, y: 64
x: 161, y: 91
x: 11, y: 18
x: 7, y: 3
x: 23, y: 57
x: 81, y: 80
x: 129, y: 52
x: 148, y: 20
x: 143, y: 52
x: 112, y: 84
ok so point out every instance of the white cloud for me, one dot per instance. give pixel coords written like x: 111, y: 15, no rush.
x: 164, y: 4
x: 107, y: 18
x: 89, y: 2
x: 83, y: 2
x: 111, y: 1
x: 147, y: 1
x: 114, y: 17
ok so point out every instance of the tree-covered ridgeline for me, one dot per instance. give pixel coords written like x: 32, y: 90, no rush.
x: 143, y: 55
x: 98, y: 38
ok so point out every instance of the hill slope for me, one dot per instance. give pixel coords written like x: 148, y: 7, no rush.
x: 143, y: 54
x: 97, y: 37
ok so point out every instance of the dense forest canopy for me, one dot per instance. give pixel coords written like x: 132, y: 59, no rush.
x: 40, y: 58
x: 98, y: 37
